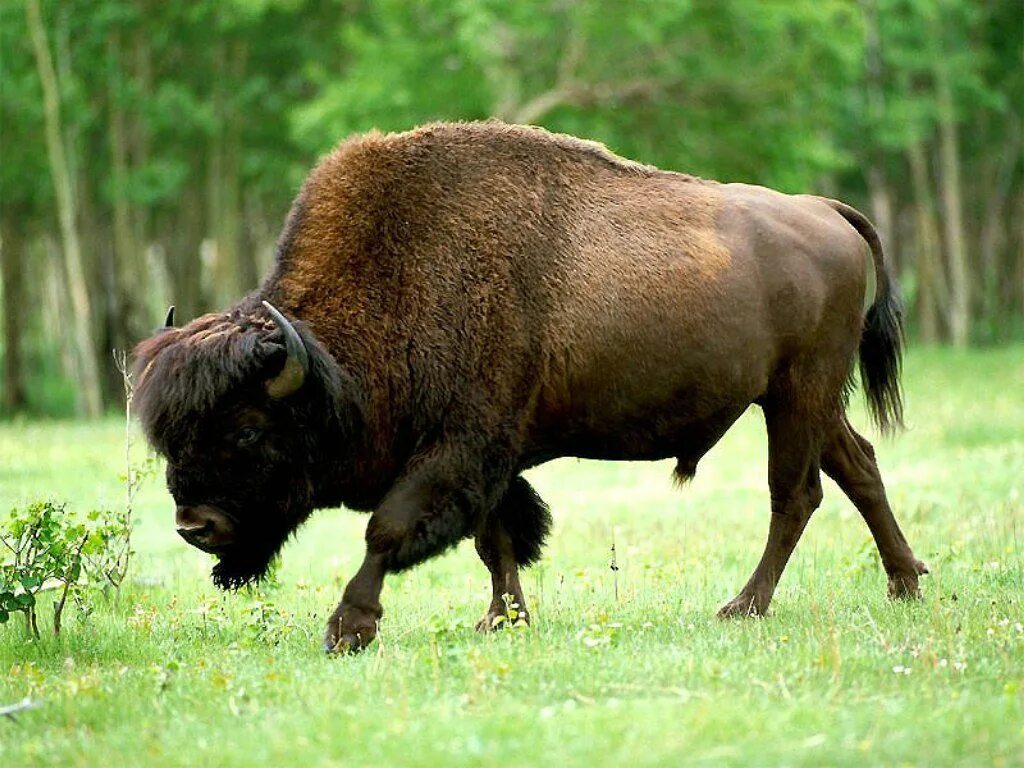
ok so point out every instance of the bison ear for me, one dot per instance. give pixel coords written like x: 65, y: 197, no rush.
x: 296, y: 365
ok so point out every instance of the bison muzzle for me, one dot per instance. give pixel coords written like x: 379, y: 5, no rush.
x: 453, y: 305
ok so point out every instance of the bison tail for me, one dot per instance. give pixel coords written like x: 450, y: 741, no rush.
x: 881, y: 358
x: 881, y: 342
x: 526, y: 519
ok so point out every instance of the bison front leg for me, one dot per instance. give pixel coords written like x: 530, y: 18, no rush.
x: 438, y: 502
x: 353, y: 625
x: 510, y: 536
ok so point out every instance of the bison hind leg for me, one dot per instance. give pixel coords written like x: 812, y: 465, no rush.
x: 510, y: 536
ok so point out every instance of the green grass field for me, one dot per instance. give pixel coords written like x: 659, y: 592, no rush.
x: 170, y: 672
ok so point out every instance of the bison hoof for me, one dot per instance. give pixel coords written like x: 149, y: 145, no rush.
x: 349, y: 631
x: 492, y: 622
x: 744, y: 605
x: 347, y: 643
x: 500, y: 618
x: 903, y: 584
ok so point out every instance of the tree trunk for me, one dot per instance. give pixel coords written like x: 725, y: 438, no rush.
x: 129, y: 276
x: 153, y: 257
x: 881, y: 212
x: 88, y: 384
x: 1018, y: 250
x: 878, y: 183
x: 183, y: 256
x: 12, y: 260
x: 931, y: 284
x: 995, y: 227
x: 220, y: 269
x: 246, y: 274
x: 233, y: 271
x: 950, y: 187
x: 56, y: 315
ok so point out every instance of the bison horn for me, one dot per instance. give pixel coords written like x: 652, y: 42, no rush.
x: 296, y: 366
x: 169, y: 321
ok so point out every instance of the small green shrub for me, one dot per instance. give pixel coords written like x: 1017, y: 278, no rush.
x: 45, y: 547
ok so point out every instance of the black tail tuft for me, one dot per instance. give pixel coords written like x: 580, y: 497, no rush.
x: 881, y: 359
x: 526, y: 518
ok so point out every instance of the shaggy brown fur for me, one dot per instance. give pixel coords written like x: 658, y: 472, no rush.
x: 480, y: 298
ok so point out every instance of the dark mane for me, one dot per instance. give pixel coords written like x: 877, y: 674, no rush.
x: 181, y: 374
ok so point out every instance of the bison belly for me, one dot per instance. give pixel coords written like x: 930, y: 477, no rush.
x: 652, y: 376
x: 674, y: 315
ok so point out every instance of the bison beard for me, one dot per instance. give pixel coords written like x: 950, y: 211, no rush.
x: 478, y: 299
x: 248, y: 560
x: 239, y: 566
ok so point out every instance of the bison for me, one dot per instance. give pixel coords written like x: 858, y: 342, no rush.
x: 453, y: 305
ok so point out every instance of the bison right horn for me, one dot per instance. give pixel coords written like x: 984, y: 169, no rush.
x: 296, y: 366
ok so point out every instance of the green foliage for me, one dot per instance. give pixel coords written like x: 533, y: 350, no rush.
x: 44, y: 546
x: 766, y: 92
x: 268, y: 624
x: 694, y: 86
x: 198, y: 121
x: 39, y: 546
x: 107, y: 549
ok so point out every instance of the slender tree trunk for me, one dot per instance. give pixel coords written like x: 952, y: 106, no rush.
x: 130, y: 275
x: 931, y: 291
x: 994, y: 245
x: 881, y: 212
x: 88, y: 389
x: 222, y: 271
x: 246, y: 274
x: 56, y: 315
x: 153, y: 263
x: 950, y: 187
x: 1018, y: 250
x: 183, y: 258
x: 878, y: 183
x: 233, y: 271
x: 142, y: 71
x: 12, y: 259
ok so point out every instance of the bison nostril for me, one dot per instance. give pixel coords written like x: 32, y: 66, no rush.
x: 204, y: 526
x: 190, y: 518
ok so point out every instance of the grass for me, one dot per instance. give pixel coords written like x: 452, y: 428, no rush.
x: 170, y: 672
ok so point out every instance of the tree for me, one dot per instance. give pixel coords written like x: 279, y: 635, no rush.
x: 89, y: 382
x: 12, y: 283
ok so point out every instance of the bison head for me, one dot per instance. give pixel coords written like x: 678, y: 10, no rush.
x: 241, y: 405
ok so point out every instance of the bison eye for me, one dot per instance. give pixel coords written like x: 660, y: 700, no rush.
x: 248, y: 436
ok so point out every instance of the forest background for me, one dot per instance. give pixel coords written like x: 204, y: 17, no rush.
x: 149, y: 150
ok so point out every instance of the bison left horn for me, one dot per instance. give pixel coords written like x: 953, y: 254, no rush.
x: 169, y: 320
x: 296, y: 365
